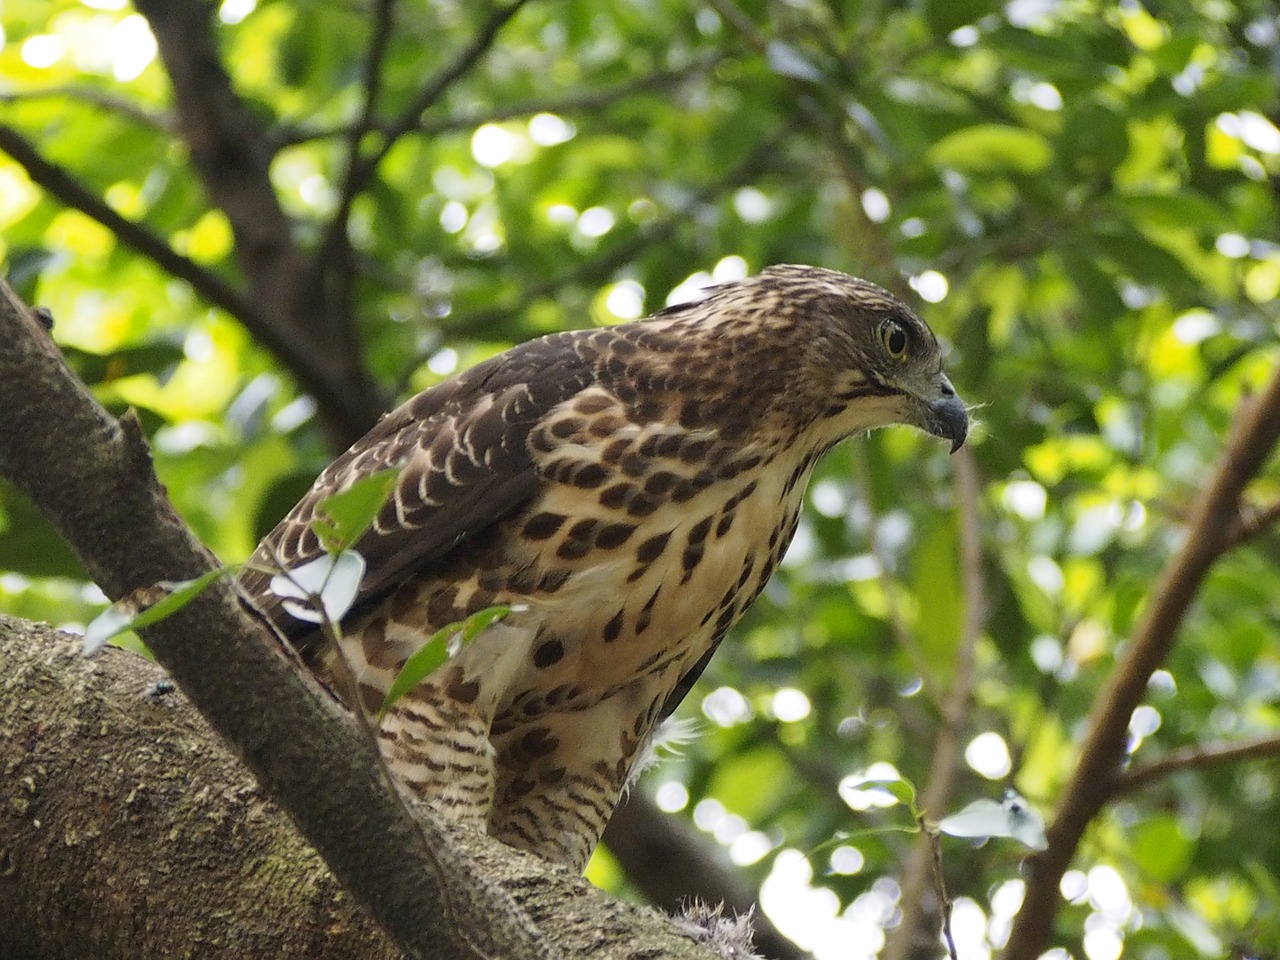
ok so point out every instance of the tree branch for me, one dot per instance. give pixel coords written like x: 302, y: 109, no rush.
x: 231, y: 155
x: 332, y: 267
x: 91, y: 476
x: 918, y: 877
x: 578, y: 101
x: 1254, y: 521
x: 1097, y: 775
x: 94, y: 97
x: 70, y: 192
x: 299, y: 354
x: 116, y: 799
x: 433, y: 90
x: 1198, y: 758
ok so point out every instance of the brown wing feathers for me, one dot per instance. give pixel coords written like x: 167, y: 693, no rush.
x: 465, y: 463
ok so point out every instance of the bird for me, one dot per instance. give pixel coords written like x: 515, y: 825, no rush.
x: 627, y: 491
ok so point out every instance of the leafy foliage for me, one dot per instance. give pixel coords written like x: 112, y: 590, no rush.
x: 1083, y: 194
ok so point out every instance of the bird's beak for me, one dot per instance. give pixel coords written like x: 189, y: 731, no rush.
x: 945, y: 414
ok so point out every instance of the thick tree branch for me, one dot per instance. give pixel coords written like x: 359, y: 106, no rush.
x: 115, y: 799
x: 231, y: 155
x: 91, y: 476
x: 1097, y: 775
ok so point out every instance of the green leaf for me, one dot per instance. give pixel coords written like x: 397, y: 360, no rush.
x: 444, y: 643
x: 342, y: 519
x: 993, y: 148
x: 124, y: 613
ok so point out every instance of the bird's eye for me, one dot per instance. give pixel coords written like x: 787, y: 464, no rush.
x: 894, y: 339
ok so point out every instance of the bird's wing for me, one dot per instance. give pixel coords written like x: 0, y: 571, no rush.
x: 463, y: 451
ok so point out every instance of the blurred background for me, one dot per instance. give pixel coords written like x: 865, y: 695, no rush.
x: 262, y: 222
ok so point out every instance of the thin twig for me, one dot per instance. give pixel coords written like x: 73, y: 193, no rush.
x: 332, y: 259
x: 617, y: 255
x: 1254, y: 521
x: 1198, y: 758
x: 1097, y: 775
x: 434, y: 89
x: 574, y: 102
x: 829, y: 126
x: 102, y: 99
x: 939, y: 885
x: 945, y: 761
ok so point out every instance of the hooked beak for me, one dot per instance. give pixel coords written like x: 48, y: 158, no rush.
x: 945, y: 415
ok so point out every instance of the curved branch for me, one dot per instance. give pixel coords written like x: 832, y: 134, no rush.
x: 1097, y: 775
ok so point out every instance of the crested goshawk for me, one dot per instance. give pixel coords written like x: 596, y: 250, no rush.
x: 629, y: 490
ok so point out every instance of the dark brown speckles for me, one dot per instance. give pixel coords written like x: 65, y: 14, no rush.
x: 643, y: 504
x: 652, y: 548
x: 695, y: 450
x: 605, y: 426
x: 592, y: 403
x: 660, y: 482
x: 571, y: 549
x: 542, y: 441
x: 698, y: 532
x: 613, y: 451
x: 613, y: 629
x: 548, y: 653
x: 589, y: 476
x: 726, y: 522
x: 553, y: 580
x: 613, y: 497
x: 634, y: 465
x: 440, y: 608
x: 614, y: 535
x: 538, y: 742
x: 645, y: 616
x: 542, y: 525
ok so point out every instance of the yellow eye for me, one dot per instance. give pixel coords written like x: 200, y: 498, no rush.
x: 894, y: 339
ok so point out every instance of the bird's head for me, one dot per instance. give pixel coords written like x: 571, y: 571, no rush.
x: 868, y: 359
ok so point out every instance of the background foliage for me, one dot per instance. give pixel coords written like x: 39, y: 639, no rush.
x: 1083, y: 195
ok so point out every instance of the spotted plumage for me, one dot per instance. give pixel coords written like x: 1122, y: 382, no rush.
x: 632, y: 489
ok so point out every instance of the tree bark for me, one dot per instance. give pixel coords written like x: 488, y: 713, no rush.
x: 127, y: 830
